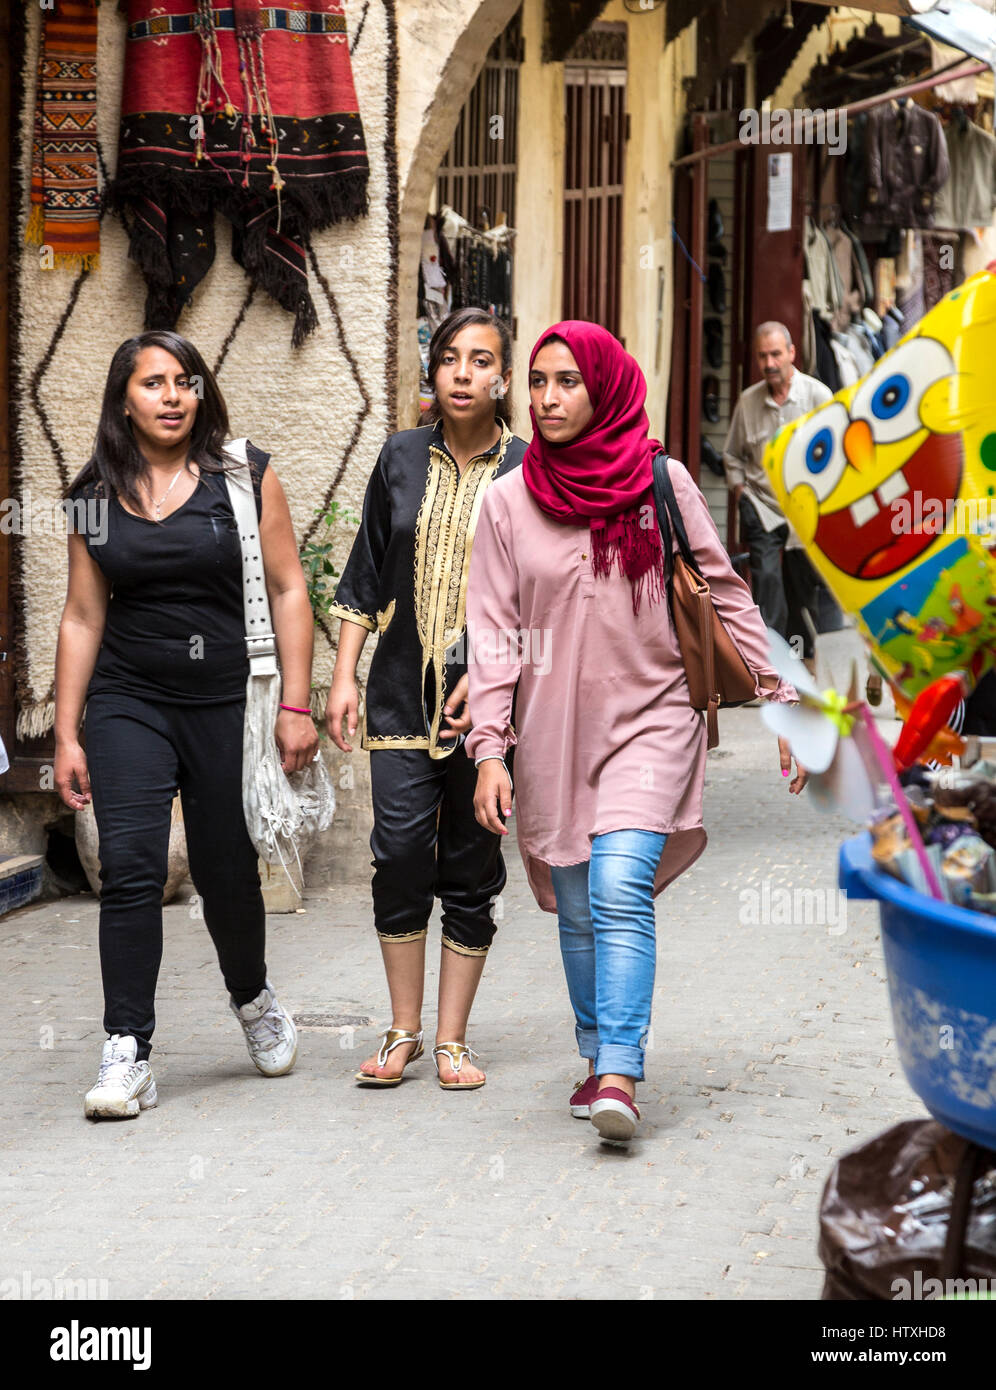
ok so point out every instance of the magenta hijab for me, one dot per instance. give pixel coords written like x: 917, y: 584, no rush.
x: 604, y: 475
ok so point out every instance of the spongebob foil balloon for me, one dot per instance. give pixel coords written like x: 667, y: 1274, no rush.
x: 891, y: 486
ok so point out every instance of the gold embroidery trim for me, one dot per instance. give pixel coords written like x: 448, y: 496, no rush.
x: 395, y: 741
x: 406, y: 936
x: 384, y: 617
x: 444, y: 537
x: 465, y: 950
x: 389, y: 740
x: 353, y: 615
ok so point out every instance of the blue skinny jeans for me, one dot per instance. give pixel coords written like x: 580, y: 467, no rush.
x: 605, y: 911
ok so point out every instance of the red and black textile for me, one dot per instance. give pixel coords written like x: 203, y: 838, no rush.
x: 262, y: 126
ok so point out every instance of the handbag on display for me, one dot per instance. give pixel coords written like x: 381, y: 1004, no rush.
x: 280, y: 809
x: 714, y: 669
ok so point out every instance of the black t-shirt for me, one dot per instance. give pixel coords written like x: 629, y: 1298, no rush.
x: 175, y: 628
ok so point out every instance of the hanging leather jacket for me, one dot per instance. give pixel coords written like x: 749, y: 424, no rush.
x: 906, y: 163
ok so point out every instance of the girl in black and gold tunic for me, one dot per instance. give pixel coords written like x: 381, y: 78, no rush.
x: 406, y: 579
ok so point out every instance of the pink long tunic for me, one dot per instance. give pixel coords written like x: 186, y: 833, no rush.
x: 605, y: 737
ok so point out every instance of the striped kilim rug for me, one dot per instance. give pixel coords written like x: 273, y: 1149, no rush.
x: 321, y: 410
x: 64, y: 194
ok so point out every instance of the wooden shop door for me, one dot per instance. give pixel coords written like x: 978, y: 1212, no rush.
x: 773, y: 261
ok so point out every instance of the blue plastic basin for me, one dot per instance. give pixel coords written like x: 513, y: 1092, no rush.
x: 941, y: 966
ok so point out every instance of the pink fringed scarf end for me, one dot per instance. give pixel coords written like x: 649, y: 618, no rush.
x: 637, y: 548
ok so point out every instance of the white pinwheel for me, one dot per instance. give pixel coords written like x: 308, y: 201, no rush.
x: 826, y: 737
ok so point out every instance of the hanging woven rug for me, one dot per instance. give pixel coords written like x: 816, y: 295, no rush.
x: 65, y: 200
x: 262, y: 126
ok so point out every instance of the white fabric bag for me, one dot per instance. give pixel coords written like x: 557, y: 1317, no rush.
x: 280, y: 809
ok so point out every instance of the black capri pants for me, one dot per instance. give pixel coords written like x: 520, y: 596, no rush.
x: 138, y: 753
x: 426, y: 843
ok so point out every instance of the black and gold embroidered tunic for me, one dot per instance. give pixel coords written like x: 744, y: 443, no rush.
x: 406, y: 579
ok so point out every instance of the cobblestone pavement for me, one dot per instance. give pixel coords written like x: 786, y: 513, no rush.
x: 772, y: 1054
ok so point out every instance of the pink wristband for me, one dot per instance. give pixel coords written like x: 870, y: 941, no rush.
x: 294, y: 709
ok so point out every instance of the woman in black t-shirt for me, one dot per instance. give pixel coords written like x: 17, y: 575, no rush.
x: 152, y: 640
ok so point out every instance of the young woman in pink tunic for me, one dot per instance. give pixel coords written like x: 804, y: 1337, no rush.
x: 568, y: 621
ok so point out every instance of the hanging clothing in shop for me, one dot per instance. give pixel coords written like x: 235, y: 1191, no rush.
x: 482, y: 264
x: 864, y: 270
x: 910, y: 300
x: 434, y: 291
x: 885, y: 276
x: 909, y: 262
x: 205, y: 127
x: 906, y: 163
x: 846, y: 366
x: 892, y: 327
x: 826, y: 363
x: 857, y: 345
x: 869, y: 329
x: 941, y: 252
x: 968, y: 199
x: 821, y: 271
x: 849, y: 273
x: 807, y: 342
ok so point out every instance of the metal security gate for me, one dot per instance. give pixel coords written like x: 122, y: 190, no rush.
x: 477, y: 175
x: 596, y: 133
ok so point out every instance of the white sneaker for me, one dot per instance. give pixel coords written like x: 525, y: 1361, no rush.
x: 270, y: 1033
x: 124, y: 1086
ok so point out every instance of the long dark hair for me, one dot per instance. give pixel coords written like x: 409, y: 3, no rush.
x: 117, y: 462
x: 443, y: 337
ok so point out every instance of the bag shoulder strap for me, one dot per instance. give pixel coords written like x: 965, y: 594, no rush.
x: 260, y: 640
x: 669, y: 513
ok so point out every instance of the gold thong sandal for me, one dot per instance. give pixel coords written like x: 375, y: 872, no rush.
x: 456, y: 1052
x: 393, y: 1038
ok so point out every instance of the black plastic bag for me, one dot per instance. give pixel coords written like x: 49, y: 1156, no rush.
x: 910, y: 1215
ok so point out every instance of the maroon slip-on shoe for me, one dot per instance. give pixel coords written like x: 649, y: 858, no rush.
x: 614, y: 1115
x: 584, y: 1093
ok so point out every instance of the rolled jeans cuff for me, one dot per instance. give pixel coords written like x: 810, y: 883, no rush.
x: 619, y: 1059
x: 587, y: 1042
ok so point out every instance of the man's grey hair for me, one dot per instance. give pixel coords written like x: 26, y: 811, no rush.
x: 772, y: 326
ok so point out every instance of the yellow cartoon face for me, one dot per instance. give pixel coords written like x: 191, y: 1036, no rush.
x: 891, y: 486
x: 847, y: 465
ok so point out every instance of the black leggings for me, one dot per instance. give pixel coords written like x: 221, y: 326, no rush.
x: 138, y: 753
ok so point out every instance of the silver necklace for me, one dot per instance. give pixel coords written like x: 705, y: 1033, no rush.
x: 159, y: 505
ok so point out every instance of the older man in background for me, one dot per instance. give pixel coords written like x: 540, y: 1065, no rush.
x: 784, y: 582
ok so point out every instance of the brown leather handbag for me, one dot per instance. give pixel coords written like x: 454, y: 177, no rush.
x: 714, y: 669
